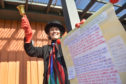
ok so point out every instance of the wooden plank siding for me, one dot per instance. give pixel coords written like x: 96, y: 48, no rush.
x: 16, y: 67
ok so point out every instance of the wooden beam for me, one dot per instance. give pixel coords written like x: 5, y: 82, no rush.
x: 48, y: 7
x: 91, y: 3
x: 26, y: 5
x: 122, y: 18
x: 2, y: 4
x: 70, y: 13
x: 33, y: 16
x: 121, y: 8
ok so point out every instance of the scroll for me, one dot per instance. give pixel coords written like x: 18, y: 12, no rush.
x: 96, y: 52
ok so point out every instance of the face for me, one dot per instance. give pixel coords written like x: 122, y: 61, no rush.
x: 54, y: 33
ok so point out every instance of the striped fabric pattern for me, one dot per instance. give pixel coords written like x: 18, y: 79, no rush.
x: 55, y: 70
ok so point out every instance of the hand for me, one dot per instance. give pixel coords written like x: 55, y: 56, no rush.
x: 25, y: 23
x: 27, y: 28
x: 113, y: 1
x: 77, y: 25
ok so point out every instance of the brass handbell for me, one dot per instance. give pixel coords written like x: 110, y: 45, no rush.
x: 21, y: 9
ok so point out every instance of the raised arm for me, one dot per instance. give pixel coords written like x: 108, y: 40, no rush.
x: 29, y: 48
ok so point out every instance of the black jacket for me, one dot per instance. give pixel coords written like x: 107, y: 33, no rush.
x: 43, y: 52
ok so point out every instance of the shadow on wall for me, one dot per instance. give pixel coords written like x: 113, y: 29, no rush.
x: 15, y: 66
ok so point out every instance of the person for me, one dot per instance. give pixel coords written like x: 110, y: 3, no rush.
x: 55, y: 71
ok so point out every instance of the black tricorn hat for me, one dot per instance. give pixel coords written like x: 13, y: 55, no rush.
x: 54, y: 23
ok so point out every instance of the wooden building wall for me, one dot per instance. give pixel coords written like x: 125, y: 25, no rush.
x: 16, y: 67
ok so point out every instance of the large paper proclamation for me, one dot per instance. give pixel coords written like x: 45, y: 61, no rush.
x: 96, y: 52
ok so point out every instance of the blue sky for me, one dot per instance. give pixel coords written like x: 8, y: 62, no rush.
x: 81, y: 4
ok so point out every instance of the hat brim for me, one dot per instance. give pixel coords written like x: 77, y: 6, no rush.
x: 48, y: 26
